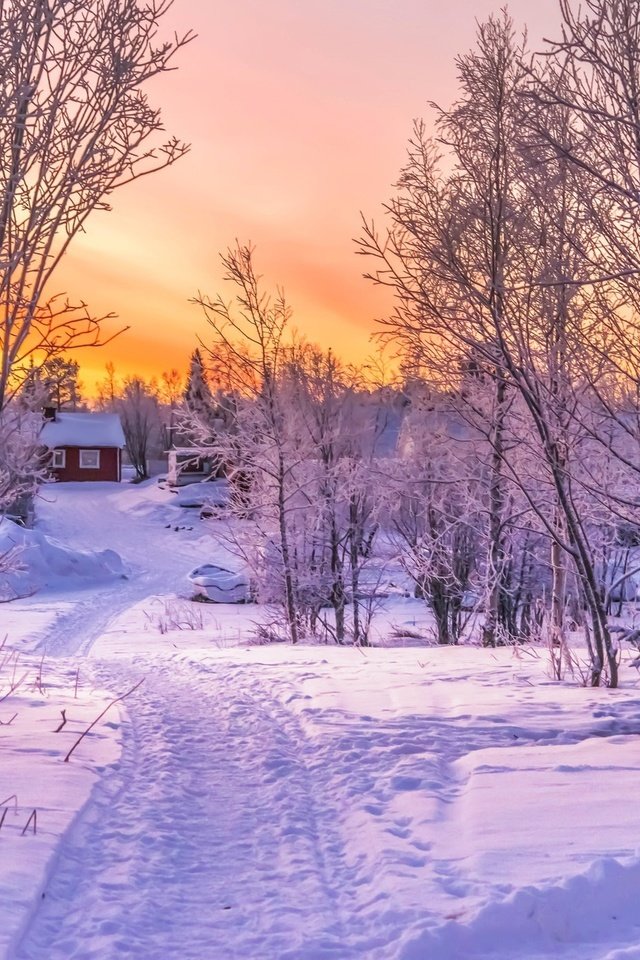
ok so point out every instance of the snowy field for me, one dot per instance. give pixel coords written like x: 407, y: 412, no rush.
x: 275, y: 803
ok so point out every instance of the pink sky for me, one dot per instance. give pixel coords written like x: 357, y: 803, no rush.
x: 298, y: 112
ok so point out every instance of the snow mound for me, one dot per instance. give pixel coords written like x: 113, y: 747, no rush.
x: 30, y: 561
x: 592, y: 916
x: 215, y: 493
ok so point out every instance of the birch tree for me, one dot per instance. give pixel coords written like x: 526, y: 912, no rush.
x: 75, y: 125
x: 449, y: 253
x: 137, y: 405
x: 249, y: 351
x: 592, y: 75
x: 479, y: 275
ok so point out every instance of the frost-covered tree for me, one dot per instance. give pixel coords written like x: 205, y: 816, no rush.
x: 137, y: 405
x: 21, y: 466
x: 171, y: 391
x: 448, y: 255
x: 75, y: 125
x: 591, y: 76
x: 463, y: 222
x: 483, y: 273
x: 296, y: 438
x: 198, y: 398
x: 435, y: 513
x: 249, y: 347
x: 342, y: 422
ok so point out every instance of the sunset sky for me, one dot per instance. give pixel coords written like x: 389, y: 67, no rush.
x: 298, y: 112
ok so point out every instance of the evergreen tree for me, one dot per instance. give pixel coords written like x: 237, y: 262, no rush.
x: 198, y: 399
x: 59, y: 377
x: 197, y: 394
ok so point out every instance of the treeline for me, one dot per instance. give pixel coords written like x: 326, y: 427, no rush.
x: 339, y: 476
x: 512, y: 248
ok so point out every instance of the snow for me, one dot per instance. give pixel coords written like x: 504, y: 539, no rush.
x: 33, y: 776
x: 83, y: 430
x: 305, y: 803
x: 220, y: 585
x: 33, y: 561
x: 213, y: 493
x: 594, y: 907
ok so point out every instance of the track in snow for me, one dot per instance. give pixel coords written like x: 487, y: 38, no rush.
x: 209, y: 842
x: 126, y: 519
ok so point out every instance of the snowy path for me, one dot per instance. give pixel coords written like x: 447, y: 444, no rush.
x: 140, y: 529
x: 235, y: 828
x: 209, y: 842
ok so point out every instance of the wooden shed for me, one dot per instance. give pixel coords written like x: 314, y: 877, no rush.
x: 84, y: 446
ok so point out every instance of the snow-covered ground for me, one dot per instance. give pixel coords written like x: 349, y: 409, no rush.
x: 279, y: 803
x: 45, y: 707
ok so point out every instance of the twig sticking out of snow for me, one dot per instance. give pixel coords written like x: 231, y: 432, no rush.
x: 10, y: 661
x: 38, y: 685
x: 3, y: 804
x: 32, y: 816
x: 98, y: 718
x: 13, y: 797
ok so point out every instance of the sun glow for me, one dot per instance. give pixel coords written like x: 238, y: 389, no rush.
x: 298, y: 116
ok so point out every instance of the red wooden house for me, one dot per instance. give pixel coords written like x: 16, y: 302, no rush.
x: 84, y: 446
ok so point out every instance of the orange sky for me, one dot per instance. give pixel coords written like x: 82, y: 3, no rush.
x: 298, y: 112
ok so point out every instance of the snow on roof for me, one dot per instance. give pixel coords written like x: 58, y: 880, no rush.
x: 83, y: 430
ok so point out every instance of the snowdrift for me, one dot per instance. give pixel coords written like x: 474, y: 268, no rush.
x: 30, y: 561
x: 592, y: 916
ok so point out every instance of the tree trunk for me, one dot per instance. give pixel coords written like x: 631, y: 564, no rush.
x: 558, y: 592
x: 290, y: 598
x: 495, y: 547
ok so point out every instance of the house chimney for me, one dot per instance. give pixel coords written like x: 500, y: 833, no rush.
x: 49, y: 413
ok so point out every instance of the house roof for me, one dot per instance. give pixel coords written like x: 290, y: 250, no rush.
x: 83, y: 430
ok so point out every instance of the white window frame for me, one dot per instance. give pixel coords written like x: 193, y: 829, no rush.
x: 89, y: 466
x: 58, y: 459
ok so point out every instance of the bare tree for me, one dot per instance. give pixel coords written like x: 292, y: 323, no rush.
x: 108, y: 389
x: 75, y: 125
x: 137, y: 405
x: 449, y: 254
x: 171, y: 391
x: 435, y: 512
x: 341, y: 419
x: 592, y: 76
x: 21, y: 468
x: 249, y: 351
x: 482, y: 273
x: 320, y: 393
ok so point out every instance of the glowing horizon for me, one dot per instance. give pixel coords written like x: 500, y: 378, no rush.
x: 298, y: 117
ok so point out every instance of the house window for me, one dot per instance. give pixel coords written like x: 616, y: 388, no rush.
x: 59, y: 459
x: 89, y: 459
